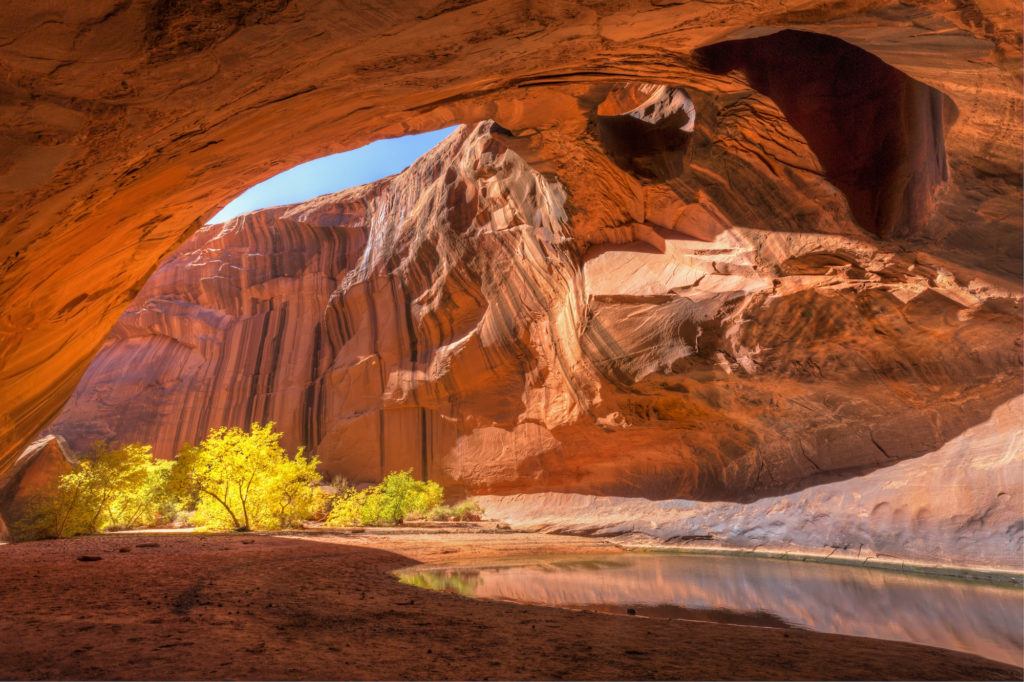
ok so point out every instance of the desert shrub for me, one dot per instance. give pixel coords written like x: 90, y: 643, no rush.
x: 107, y: 488
x: 467, y: 510
x: 245, y: 480
x: 389, y: 502
x: 143, y: 498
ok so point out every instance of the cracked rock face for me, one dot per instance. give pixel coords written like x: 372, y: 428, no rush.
x: 688, y: 258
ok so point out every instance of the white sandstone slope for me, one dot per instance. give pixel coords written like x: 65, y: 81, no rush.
x: 961, y: 504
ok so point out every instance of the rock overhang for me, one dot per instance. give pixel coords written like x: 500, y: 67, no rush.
x: 92, y: 207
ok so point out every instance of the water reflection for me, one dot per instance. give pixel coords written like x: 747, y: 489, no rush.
x: 982, y: 619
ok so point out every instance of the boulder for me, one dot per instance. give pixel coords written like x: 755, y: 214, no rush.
x: 34, y: 473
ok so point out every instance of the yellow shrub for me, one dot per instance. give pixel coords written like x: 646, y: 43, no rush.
x: 245, y: 480
x: 389, y: 502
x: 108, y: 488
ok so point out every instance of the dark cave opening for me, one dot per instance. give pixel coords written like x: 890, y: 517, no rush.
x: 879, y: 134
x: 649, y: 140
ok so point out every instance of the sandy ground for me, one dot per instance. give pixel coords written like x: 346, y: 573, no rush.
x: 325, y: 606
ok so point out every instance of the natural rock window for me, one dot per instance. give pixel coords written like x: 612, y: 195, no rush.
x: 650, y: 138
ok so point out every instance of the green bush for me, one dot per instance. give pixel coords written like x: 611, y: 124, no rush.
x: 467, y: 510
x: 389, y: 502
x: 106, y: 489
x: 246, y: 481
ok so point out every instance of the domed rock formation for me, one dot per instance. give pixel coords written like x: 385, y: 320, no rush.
x: 691, y: 260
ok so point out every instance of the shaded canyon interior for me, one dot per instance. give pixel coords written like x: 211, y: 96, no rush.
x: 667, y: 256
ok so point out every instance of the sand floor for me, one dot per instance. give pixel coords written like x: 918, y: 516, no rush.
x: 315, y: 605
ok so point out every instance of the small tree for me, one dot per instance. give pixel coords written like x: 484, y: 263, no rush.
x: 107, y: 488
x: 245, y: 480
x: 399, y: 495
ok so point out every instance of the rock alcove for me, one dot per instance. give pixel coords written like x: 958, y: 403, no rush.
x: 712, y: 266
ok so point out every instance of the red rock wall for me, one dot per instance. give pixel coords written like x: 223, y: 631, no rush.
x: 125, y: 124
x: 958, y: 506
x: 880, y: 136
x: 34, y: 474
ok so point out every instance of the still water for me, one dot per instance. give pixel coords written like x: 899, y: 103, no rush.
x: 980, y: 618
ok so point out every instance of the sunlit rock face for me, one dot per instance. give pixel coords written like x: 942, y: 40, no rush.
x: 656, y: 291
x: 124, y: 125
x: 376, y: 326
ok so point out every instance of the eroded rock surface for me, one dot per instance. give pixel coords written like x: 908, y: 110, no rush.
x: 34, y: 474
x: 456, y: 320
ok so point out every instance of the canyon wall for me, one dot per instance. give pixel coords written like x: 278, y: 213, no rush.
x: 958, y: 506
x: 761, y: 263
x: 712, y: 322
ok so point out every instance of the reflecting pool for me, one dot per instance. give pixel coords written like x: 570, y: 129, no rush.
x: 976, y: 617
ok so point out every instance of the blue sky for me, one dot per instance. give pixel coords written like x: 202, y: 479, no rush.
x: 333, y: 173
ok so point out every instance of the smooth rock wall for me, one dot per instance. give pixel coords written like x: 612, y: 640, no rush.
x: 34, y: 474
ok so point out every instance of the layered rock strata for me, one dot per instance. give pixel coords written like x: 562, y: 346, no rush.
x: 672, y: 336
